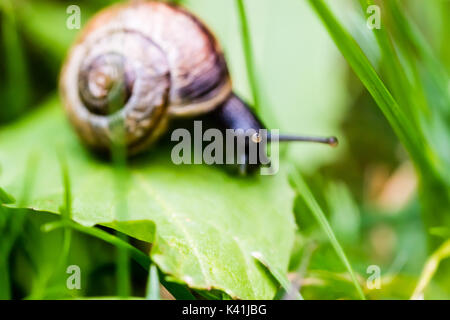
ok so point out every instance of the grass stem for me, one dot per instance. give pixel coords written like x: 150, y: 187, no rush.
x: 248, y: 53
x: 302, y: 189
x: 430, y: 269
x: 153, y: 284
x: 141, y: 258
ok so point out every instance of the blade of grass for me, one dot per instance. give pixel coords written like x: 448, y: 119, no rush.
x: 141, y: 258
x: 17, y: 83
x: 302, y: 190
x: 430, y: 165
x: 248, y: 53
x: 66, y: 211
x: 119, y: 157
x: 180, y: 292
x: 296, y: 283
x: 431, y: 79
x: 443, y: 232
x: 411, y: 138
x: 5, y: 284
x: 431, y: 266
x: 15, y: 222
x: 280, y: 277
x: 415, y: 40
x: 123, y: 270
x: 402, y: 88
x: 39, y: 292
x: 153, y: 284
x: 251, y: 71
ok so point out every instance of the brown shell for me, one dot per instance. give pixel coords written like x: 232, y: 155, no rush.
x: 177, y: 67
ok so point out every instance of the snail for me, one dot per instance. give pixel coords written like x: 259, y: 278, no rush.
x: 147, y: 63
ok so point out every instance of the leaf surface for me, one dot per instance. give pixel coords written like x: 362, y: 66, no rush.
x: 208, y: 222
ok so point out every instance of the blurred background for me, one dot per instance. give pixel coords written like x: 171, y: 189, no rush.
x: 367, y: 186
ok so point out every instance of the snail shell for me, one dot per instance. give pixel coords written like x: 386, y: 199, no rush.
x: 141, y: 63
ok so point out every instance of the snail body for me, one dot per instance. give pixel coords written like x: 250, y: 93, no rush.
x: 144, y: 64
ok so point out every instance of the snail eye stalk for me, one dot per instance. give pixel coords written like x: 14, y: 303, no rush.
x: 331, y: 141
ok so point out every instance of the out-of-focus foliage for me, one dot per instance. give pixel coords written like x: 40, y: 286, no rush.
x: 367, y: 187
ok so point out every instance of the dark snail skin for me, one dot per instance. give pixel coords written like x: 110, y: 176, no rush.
x: 236, y: 114
x: 146, y: 66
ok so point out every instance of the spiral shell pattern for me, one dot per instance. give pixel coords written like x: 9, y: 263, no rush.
x: 141, y: 64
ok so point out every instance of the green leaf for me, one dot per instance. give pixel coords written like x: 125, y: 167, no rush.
x: 5, y: 197
x: 279, y: 276
x: 208, y: 222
